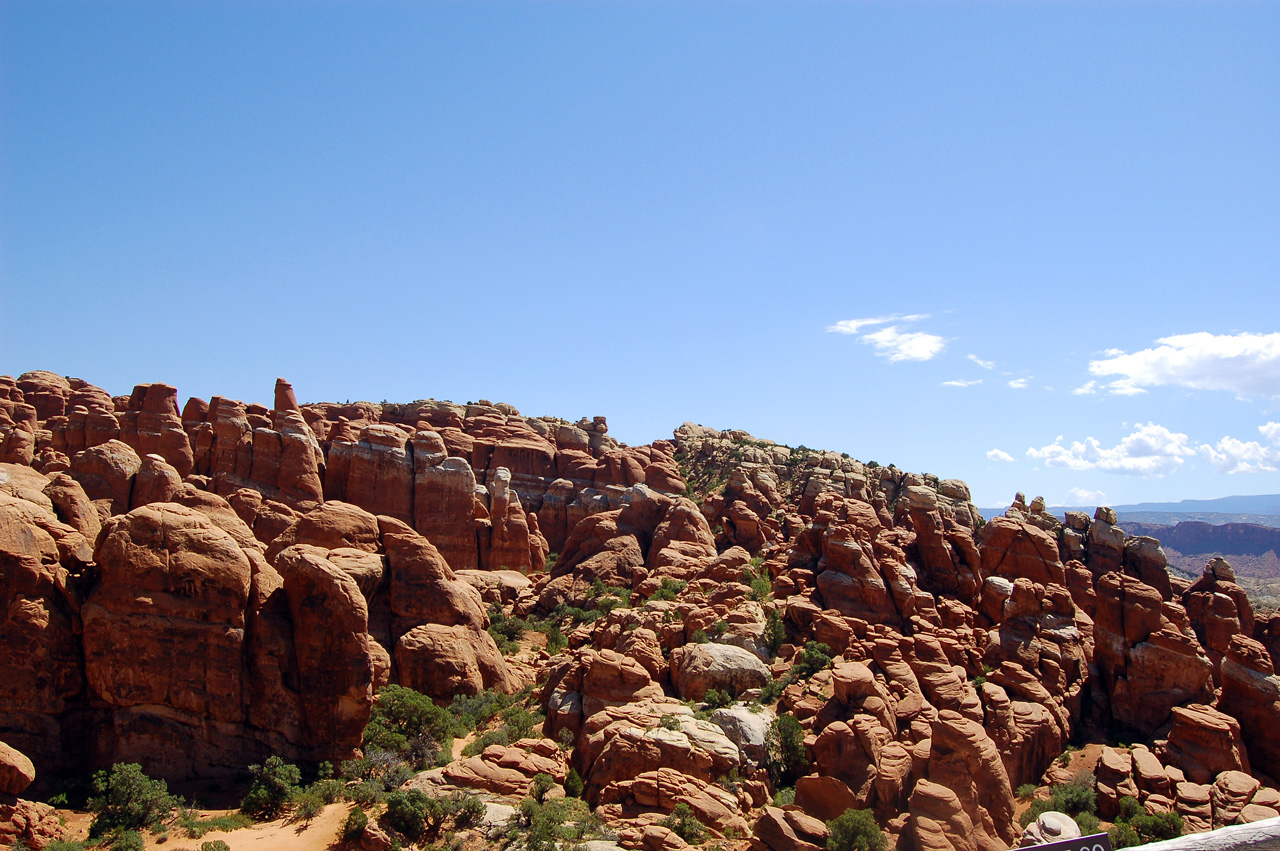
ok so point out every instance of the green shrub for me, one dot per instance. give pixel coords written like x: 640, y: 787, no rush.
x: 716, y: 699
x: 328, y: 791
x: 855, y: 830
x: 475, y: 711
x: 773, y: 689
x: 468, y: 810
x: 775, y: 633
x: 1026, y: 790
x: 684, y: 824
x: 214, y: 845
x: 1153, y: 828
x: 408, y: 723
x: 64, y: 845
x: 377, y: 768
x: 198, y: 827
x: 353, y: 827
x: 540, y: 785
x: 1123, y: 836
x: 1075, y: 797
x: 573, y: 785
x: 1088, y: 823
x: 127, y: 840
x: 1034, y: 812
x: 669, y: 590
x: 669, y: 722
x: 814, y: 658
x: 366, y: 793
x: 555, y: 823
x: 308, y: 804
x: 126, y: 799
x: 761, y: 589
x: 411, y: 812
x: 784, y: 747
x: 477, y: 745
x: 275, y: 783
x: 521, y: 722
x: 700, y: 637
x: 1129, y: 807
x: 784, y: 796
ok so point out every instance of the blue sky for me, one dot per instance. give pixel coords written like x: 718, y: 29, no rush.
x: 660, y: 212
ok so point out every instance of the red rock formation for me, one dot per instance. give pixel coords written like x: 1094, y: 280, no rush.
x: 1251, y: 693
x: 1147, y: 654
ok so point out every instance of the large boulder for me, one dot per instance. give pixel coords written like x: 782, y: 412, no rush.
x: 442, y: 661
x: 16, y: 771
x: 696, y: 668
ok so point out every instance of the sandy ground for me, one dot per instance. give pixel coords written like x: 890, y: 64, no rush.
x: 322, y: 833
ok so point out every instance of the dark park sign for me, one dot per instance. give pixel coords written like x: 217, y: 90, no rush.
x: 1097, y: 842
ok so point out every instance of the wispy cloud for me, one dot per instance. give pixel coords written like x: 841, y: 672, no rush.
x: 999, y: 455
x: 855, y: 326
x: 1150, y: 451
x: 1080, y: 496
x: 1244, y: 364
x: 1230, y: 455
x: 890, y: 341
x: 985, y: 364
x: 1020, y: 383
x: 959, y: 383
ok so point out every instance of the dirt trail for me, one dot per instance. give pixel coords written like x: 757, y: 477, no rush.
x: 320, y: 834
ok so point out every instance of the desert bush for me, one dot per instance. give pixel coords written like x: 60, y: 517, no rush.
x: 784, y: 796
x: 274, y: 785
x: 669, y: 589
x: 540, y: 786
x: 408, y: 723
x: 573, y: 785
x: 411, y: 812
x: 126, y: 840
x: 775, y: 633
x: 716, y: 699
x: 1129, y: 807
x: 684, y: 824
x: 555, y: 823
x: 353, y: 827
x: 126, y: 799
x: 855, y: 830
x: 214, y: 845
x: 1088, y: 823
x: 814, y: 658
x: 377, y: 770
x: 197, y: 827
x: 761, y: 589
x: 1026, y: 790
x: 1153, y: 828
x: 1123, y: 836
x: 784, y: 747
x: 308, y: 804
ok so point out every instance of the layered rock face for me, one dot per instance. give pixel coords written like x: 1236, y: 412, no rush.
x: 195, y: 590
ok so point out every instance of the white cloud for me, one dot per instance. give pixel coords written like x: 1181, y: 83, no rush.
x: 1019, y: 383
x: 985, y: 364
x: 999, y: 455
x: 1080, y: 496
x: 1244, y: 364
x: 959, y: 383
x: 1086, y: 388
x: 855, y: 326
x: 891, y: 342
x: 1150, y: 451
x: 1230, y: 455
